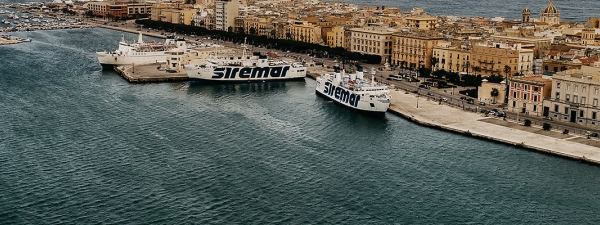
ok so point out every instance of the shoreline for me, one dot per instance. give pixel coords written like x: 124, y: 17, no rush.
x: 505, y: 135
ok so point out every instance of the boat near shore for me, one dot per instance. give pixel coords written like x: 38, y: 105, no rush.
x: 245, y: 68
x: 140, y: 52
x: 354, y: 92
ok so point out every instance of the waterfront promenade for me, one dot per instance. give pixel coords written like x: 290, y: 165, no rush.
x: 431, y: 113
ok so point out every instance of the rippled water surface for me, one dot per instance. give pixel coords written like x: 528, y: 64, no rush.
x: 79, y: 145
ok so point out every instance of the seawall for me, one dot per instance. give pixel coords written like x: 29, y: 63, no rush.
x: 439, y: 116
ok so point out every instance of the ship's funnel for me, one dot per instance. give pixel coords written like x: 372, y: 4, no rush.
x: 140, y: 38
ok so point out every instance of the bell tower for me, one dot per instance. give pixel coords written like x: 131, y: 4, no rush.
x: 526, y: 15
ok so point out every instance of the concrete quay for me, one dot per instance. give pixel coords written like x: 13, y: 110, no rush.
x: 149, y: 73
x: 433, y: 114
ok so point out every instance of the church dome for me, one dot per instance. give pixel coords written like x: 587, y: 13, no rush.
x: 526, y: 10
x: 550, y: 8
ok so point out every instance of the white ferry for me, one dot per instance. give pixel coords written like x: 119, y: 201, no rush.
x: 245, y: 68
x: 141, y: 52
x: 355, y: 92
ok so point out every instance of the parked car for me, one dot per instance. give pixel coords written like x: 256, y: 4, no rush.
x: 443, y: 99
x: 482, y: 103
x: 394, y: 77
x: 430, y: 93
x: 470, y: 101
x: 463, y: 98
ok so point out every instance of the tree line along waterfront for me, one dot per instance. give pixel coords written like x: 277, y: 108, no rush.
x: 240, y: 36
x: 441, y: 78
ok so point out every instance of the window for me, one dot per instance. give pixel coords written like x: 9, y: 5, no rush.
x: 535, y: 89
x: 595, y: 102
x: 575, y: 99
x: 535, y: 108
x: 568, y: 87
x: 514, y: 104
x: 566, y: 110
x: 593, y: 115
x: 535, y: 98
x: 555, y: 108
x: 525, y: 96
x: 514, y: 94
x: 583, y: 100
x: 558, y: 85
x: 576, y: 87
x: 583, y: 89
x: 557, y: 95
x: 568, y: 97
x: 596, y: 91
x: 581, y: 112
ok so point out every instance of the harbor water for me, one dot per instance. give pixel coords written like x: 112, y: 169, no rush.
x: 80, y: 145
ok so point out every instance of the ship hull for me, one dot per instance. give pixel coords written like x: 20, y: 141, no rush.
x: 109, y: 60
x: 367, y: 112
x: 359, y: 101
x: 232, y: 74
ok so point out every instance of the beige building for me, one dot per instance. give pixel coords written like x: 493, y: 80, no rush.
x: 452, y: 58
x: 492, y: 59
x: 98, y: 8
x: 537, y: 44
x: 225, y: 13
x: 574, y: 96
x: 372, y: 39
x: 421, y: 23
x: 335, y: 37
x: 414, y: 49
x: 527, y: 93
x: 484, y: 92
x: 156, y: 10
x: 303, y: 31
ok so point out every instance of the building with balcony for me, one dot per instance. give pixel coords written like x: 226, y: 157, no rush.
x: 538, y: 44
x: 527, y: 93
x: 452, y: 58
x: 414, y: 49
x: 335, y: 37
x: 492, y: 58
x: 421, y: 23
x: 303, y: 31
x: 574, y: 96
x: 373, y: 39
x: 225, y: 13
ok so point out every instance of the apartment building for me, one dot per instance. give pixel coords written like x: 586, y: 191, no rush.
x: 421, y: 23
x: 527, y: 93
x: 303, y: 31
x: 374, y: 39
x: 492, y: 58
x: 574, y: 96
x: 414, y: 49
x: 335, y: 37
x: 225, y: 13
x: 537, y: 44
x: 452, y: 58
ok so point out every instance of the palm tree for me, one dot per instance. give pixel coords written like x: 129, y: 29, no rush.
x: 506, y: 71
x: 494, y: 93
x: 434, y: 62
x: 476, y: 69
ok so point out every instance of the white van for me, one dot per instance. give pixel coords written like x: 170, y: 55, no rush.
x: 394, y: 77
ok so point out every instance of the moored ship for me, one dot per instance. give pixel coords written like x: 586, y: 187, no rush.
x: 140, y: 52
x: 355, y: 92
x: 245, y: 68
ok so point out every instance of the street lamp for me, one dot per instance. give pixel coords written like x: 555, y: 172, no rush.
x: 418, y: 95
